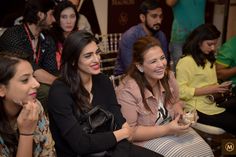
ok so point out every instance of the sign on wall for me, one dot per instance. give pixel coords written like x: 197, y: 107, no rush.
x: 122, y: 14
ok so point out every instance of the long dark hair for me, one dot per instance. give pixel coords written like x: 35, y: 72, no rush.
x: 8, y: 65
x: 196, y: 38
x: 139, y: 49
x: 56, y: 31
x: 72, y: 49
x: 32, y: 7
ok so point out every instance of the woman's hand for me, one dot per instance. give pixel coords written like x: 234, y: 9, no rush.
x: 226, y: 84
x: 175, y: 128
x: 211, y: 89
x: 28, y: 118
x: 130, y: 130
x: 221, y: 88
x: 126, y: 132
x: 178, y: 108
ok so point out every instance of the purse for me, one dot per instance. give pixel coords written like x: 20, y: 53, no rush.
x: 226, y: 100
x: 94, y: 121
x: 97, y: 120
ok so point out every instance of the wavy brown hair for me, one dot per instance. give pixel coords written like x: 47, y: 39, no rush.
x: 139, y: 49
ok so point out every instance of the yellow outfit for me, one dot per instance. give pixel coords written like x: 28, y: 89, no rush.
x: 191, y: 76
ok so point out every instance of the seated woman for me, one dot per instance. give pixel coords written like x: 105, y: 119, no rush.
x: 149, y: 99
x: 79, y: 89
x: 24, y: 128
x: 196, y: 75
x: 66, y: 17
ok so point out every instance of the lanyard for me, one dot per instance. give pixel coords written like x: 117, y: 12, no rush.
x: 35, y: 54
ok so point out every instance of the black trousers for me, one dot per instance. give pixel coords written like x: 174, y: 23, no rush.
x: 225, y: 120
x: 126, y: 149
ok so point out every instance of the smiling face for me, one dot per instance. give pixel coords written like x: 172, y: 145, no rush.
x: 208, y: 46
x: 22, y: 87
x: 68, y: 19
x: 89, y: 60
x: 154, y: 64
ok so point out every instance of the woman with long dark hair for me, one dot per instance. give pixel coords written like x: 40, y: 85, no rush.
x: 66, y: 17
x: 24, y: 128
x: 78, y: 90
x: 196, y: 75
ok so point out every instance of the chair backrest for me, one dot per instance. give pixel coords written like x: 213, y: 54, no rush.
x: 2, y: 30
x: 109, y: 44
x: 116, y: 79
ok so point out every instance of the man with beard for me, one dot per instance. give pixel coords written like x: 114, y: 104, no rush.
x: 151, y: 16
x: 28, y: 39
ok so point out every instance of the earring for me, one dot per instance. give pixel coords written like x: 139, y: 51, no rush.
x: 141, y: 70
x: 139, y: 67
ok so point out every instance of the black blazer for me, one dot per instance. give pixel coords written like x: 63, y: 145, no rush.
x: 70, y: 140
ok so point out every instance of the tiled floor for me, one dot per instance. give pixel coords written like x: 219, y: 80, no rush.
x: 215, y: 142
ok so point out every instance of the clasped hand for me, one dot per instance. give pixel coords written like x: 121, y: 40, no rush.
x: 176, y: 127
x: 130, y: 131
x: 223, y: 87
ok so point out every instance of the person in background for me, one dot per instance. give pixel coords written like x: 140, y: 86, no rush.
x: 83, y: 23
x: 188, y: 14
x: 80, y: 87
x: 24, y: 128
x: 151, y: 17
x: 66, y: 17
x: 149, y: 99
x: 226, y: 61
x: 29, y: 38
x: 196, y: 75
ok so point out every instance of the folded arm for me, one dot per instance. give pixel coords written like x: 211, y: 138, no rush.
x: 223, y: 72
x: 44, y: 77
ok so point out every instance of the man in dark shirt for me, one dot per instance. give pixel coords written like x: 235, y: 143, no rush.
x: 29, y: 40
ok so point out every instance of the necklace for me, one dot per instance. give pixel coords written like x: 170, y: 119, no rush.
x: 34, y: 44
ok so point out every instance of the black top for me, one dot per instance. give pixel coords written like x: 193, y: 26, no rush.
x: 70, y: 140
x: 15, y: 39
